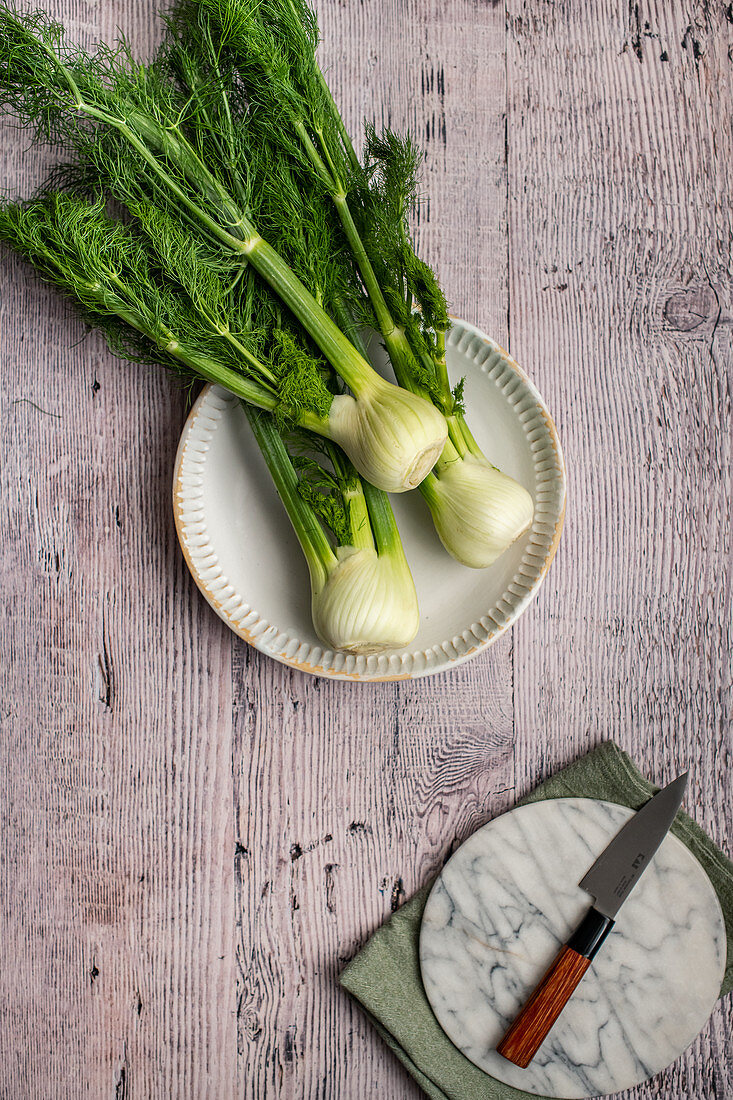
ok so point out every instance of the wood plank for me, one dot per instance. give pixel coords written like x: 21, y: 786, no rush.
x: 168, y: 796
x: 349, y: 796
x: 116, y: 877
x: 620, y: 308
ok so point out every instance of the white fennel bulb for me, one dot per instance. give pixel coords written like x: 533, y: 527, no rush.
x: 392, y: 436
x: 477, y: 510
x: 368, y: 603
x: 363, y: 597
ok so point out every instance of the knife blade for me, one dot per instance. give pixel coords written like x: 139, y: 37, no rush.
x: 610, y: 881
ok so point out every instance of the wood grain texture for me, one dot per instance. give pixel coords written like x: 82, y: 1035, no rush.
x: 194, y: 838
x: 620, y: 237
x: 394, y: 775
x: 116, y: 881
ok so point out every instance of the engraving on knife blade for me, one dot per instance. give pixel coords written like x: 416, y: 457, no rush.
x: 627, y: 880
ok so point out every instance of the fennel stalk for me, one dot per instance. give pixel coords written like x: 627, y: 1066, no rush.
x: 266, y: 51
x: 141, y: 139
x: 363, y: 597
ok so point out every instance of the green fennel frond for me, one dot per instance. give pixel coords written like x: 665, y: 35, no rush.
x: 459, y: 404
x: 185, y: 259
x: 300, y: 379
x: 323, y: 494
x: 112, y: 272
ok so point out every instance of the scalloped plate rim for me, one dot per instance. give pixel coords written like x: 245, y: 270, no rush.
x: 317, y: 661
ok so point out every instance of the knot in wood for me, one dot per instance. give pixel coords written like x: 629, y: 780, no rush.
x: 688, y: 309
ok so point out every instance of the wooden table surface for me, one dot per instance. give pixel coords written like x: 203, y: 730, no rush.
x: 196, y: 839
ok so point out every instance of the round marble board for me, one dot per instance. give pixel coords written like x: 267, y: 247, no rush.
x: 507, y: 900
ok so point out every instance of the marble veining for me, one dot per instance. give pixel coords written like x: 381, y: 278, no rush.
x: 506, y: 901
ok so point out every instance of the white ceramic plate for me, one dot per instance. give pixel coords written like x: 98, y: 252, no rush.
x: 246, y: 560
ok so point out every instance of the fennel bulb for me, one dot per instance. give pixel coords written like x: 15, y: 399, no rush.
x: 392, y: 436
x: 477, y: 510
x: 368, y: 603
x: 363, y: 597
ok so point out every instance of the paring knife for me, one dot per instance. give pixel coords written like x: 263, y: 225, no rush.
x: 610, y: 880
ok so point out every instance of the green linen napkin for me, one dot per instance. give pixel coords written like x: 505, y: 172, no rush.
x: 385, y: 976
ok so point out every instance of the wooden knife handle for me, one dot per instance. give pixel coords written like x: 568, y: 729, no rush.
x: 526, y: 1034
